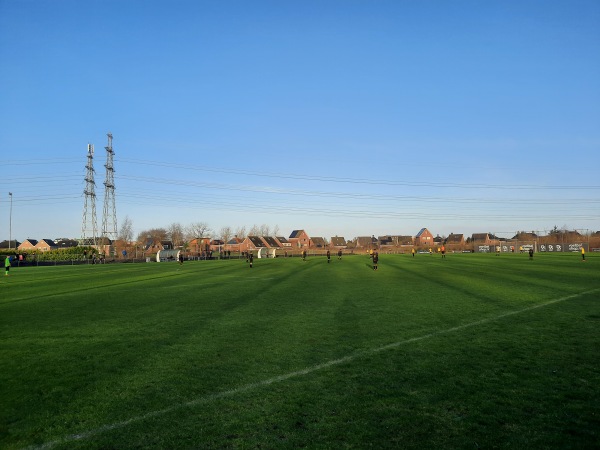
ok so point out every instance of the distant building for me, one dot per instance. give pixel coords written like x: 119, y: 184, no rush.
x: 455, y: 241
x: 283, y: 242
x: 10, y: 244
x: 300, y: 239
x: 318, y: 242
x: 28, y: 244
x: 424, y: 238
x: 233, y: 244
x: 198, y: 245
x: 45, y: 245
x: 66, y: 243
x: 338, y: 242
x: 366, y: 242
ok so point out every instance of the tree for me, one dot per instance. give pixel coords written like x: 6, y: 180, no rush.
x: 153, y: 234
x: 265, y: 230
x: 126, y: 231
x: 175, y: 234
x: 254, y: 231
x: 225, y: 234
x: 197, y: 230
x: 240, y: 232
x: 275, y: 230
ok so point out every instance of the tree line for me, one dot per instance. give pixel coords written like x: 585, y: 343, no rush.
x: 180, y: 234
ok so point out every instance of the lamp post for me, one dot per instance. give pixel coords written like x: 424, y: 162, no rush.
x: 10, y: 223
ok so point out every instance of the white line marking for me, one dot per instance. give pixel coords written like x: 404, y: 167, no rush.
x: 287, y: 376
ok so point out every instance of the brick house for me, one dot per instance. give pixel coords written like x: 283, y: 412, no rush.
x: 366, y: 242
x: 271, y: 242
x: 299, y: 239
x: 233, y: 245
x: 455, y: 241
x: 424, y: 238
x: 45, y: 245
x: 283, y: 242
x: 338, y: 242
x: 252, y: 243
x: 483, y: 239
x: 199, y: 245
x: 28, y: 244
x: 319, y: 242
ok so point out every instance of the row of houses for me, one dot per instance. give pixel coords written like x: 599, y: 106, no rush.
x: 300, y: 239
x: 43, y: 245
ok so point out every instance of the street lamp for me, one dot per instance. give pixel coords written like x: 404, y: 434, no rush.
x: 10, y: 223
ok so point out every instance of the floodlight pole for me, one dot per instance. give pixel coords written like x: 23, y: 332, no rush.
x: 10, y: 223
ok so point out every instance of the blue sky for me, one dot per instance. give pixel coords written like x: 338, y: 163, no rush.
x: 346, y: 118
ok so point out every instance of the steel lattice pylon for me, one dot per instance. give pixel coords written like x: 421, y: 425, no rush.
x: 89, y: 226
x: 109, y: 213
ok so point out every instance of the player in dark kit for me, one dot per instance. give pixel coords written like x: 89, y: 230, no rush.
x: 328, y: 256
x: 303, y: 255
x: 531, y: 253
x: 339, y: 254
x: 251, y: 259
x: 375, y: 260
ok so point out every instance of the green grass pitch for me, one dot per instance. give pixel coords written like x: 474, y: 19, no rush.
x: 473, y: 351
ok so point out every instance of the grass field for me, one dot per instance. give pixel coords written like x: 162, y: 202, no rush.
x: 474, y: 351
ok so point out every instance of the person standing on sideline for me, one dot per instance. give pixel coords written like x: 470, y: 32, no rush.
x: 328, y: 256
x: 531, y: 253
x: 375, y: 260
x: 582, y: 253
x: 6, y: 265
x: 251, y: 259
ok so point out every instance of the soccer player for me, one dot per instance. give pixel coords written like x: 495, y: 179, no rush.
x: 531, y: 253
x: 251, y: 259
x: 303, y: 255
x: 375, y: 260
x: 328, y: 256
x: 582, y: 253
x: 6, y: 265
x: 413, y: 252
x: 443, y: 251
x: 340, y: 254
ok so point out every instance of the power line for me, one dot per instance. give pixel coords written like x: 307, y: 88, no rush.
x: 354, y: 180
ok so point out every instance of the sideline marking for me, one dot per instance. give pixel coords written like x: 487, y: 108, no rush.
x: 284, y: 377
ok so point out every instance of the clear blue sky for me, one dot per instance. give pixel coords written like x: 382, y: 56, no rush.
x: 346, y: 118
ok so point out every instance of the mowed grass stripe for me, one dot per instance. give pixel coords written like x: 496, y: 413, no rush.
x: 78, y: 362
x: 306, y: 371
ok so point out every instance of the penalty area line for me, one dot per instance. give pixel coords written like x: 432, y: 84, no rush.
x: 280, y: 378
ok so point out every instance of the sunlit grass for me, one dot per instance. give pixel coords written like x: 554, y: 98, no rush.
x: 423, y: 353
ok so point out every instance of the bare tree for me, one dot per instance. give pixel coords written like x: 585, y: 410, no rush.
x: 197, y: 231
x: 265, y: 230
x: 275, y: 230
x: 126, y: 231
x: 175, y: 234
x: 153, y: 234
x: 254, y: 231
x: 225, y: 234
x: 240, y: 232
